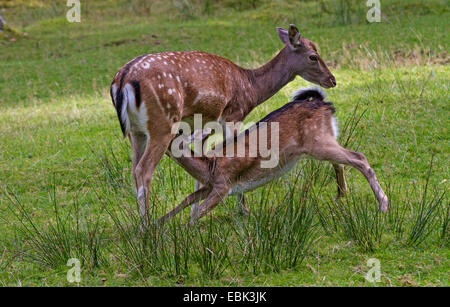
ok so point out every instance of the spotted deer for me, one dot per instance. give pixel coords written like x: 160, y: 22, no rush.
x: 307, y: 129
x: 152, y: 92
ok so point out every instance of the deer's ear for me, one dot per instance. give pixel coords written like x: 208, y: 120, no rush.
x: 294, y: 36
x: 283, y: 35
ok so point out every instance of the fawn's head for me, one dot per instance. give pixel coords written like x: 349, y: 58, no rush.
x: 304, y: 59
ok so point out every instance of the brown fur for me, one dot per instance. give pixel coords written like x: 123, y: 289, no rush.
x: 173, y: 86
x: 305, y: 129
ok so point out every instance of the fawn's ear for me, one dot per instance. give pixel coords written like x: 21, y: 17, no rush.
x: 289, y: 38
x: 283, y: 35
x: 294, y: 36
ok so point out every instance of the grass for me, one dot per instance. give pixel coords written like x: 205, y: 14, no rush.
x: 65, y: 184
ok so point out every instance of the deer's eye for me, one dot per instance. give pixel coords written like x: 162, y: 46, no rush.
x: 313, y: 58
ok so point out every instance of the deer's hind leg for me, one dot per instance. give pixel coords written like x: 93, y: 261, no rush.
x: 156, y: 148
x: 197, y: 196
x: 333, y: 152
x: 160, y: 137
x: 340, y: 179
x: 138, y: 143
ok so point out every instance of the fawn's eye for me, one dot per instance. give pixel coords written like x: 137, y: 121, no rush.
x: 313, y: 58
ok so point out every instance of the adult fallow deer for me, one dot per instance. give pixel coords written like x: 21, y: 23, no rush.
x: 153, y: 92
x: 307, y: 128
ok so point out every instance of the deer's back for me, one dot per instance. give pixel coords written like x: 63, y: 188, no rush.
x: 183, y: 83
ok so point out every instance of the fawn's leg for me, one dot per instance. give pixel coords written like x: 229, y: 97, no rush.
x: 334, y: 153
x: 217, y: 194
x: 340, y: 179
x: 197, y: 196
x: 194, y: 206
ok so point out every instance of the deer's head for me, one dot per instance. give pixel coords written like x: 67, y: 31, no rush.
x: 304, y: 59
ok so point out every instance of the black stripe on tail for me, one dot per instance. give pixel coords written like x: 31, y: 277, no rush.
x: 118, y: 103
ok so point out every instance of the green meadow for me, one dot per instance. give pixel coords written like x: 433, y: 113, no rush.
x: 66, y: 189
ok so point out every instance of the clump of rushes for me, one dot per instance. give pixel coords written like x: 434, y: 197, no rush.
x: 397, y: 214
x: 277, y: 235
x: 445, y: 233
x: 211, y: 247
x: 70, y: 235
x: 359, y: 220
x: 426, y: 213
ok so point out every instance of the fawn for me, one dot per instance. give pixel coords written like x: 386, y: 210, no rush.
x: 307, y: 128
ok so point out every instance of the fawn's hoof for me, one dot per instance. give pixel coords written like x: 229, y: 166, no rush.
x: 384, y: 203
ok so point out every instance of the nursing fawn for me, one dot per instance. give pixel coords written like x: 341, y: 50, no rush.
x: 306, y: 129
x: 153, y: 92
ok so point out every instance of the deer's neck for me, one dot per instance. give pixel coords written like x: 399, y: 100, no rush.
x: 270, y: 78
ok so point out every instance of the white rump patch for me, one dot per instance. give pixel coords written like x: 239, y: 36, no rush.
x: 114, y: 92
x: 129, y: 99
x: 136, y: 119
x: 334, y: 126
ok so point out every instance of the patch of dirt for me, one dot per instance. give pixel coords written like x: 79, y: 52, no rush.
x: 145, y: 39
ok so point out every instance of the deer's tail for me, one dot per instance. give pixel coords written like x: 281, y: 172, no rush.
x: 311, y: 92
